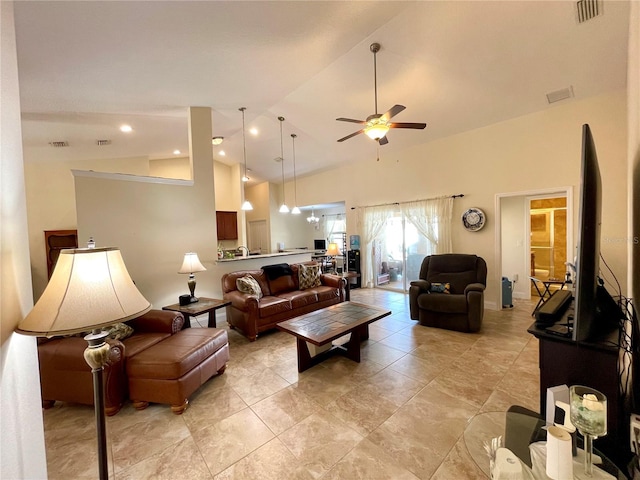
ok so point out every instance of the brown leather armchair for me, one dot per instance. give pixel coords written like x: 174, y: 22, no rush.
x: 65, y: 375
x: 462, y: 309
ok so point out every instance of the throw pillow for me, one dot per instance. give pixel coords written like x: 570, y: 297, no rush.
x: 119, y: 331
x: 309, y: 276
x: 440, y: 288
x: 250, y: 285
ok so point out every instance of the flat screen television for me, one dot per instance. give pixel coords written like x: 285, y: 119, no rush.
x: 319, y: 244
x: 596, y: 313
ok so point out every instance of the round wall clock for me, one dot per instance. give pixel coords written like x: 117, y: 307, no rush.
x: 473, y: 219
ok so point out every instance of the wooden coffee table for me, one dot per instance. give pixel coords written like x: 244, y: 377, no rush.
x: 321, y: 327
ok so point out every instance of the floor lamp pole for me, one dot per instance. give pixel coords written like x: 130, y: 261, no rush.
x: 96, y: 356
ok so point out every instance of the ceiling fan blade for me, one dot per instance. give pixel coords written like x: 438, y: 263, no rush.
x: 349, y: 136
x: 383, y: 140
x: 361, y: 122
x: 393, y: 111
x: 419, y: 126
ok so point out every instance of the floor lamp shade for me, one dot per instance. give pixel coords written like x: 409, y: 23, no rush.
x: 90, y: 288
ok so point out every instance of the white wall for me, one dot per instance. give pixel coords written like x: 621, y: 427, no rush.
x: 514, y: 213
x: 52, y: 203
x: 155, y: 224
x: 22, y: 452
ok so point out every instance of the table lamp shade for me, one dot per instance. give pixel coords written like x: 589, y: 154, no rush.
x: 89, y: 288
x: 191, y: 264
x: 333, y: 249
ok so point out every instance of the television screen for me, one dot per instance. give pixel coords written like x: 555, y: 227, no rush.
x: 588, y: 254
x: 319, y: 244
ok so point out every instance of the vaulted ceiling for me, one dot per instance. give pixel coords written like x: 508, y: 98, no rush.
x: 87, y: 67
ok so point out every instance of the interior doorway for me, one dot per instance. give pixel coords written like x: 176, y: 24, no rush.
x: 535, y: 232
x: 257, y: 236
x: 548, y: 221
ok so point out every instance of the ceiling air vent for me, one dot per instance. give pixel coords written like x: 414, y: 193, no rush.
x: 63, y: 143
x: 102, y: 143
x: 558, y: 95
x: 588, y: 9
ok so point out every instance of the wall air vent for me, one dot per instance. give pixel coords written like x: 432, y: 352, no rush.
x: 102, y: 143
x: 558, y: 95
x: 588, y: 9
x: 63, y: 143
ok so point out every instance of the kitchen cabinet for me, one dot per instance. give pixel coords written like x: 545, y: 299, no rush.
x: 227, y: 224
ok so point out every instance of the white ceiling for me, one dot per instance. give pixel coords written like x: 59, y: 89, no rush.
x: 86, y: 67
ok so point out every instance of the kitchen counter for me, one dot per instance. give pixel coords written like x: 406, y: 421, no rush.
x: 270, y: 255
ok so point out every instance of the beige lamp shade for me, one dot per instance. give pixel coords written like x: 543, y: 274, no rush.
x: 89, y: 288
x: 333, y: 249
x: 191, y: 264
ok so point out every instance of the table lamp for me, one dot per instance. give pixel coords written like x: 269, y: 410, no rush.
x: 191, y: 265
x: 90, y: 288
x: 333, y: 250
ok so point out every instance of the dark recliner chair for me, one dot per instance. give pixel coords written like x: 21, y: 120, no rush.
x: 461, y: 309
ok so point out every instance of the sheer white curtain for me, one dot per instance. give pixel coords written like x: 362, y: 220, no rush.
x: 370, y: 223
x: 432, y: 219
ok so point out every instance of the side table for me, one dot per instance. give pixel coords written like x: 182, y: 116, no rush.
x: 205, y: 305
x: 348, y: 276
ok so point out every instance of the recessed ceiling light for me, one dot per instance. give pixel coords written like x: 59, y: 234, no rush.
x: 126, y: 128
x: 221, y: 153
x: 217, y: 140
x: 253, y: 131
x: 176, y: 152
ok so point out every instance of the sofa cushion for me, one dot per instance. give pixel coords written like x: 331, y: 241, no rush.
x: 281, y: 284
x: 250, y: 285
x: 273, y: 306
x: 299, y: 298
x: 308, y: 276
x: 325, y: 293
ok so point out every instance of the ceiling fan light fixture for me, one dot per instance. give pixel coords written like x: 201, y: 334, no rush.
x: 376, y: 131
x: 217, y: 140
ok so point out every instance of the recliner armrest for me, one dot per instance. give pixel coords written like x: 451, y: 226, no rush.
x: 423, y: 285
x: 158, y: 321
x: 474, y: 287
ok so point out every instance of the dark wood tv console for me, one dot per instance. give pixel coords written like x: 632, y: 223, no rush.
x: 593, y: 364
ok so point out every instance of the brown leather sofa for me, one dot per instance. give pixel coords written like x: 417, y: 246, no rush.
x: 281, y: 299
x: 462, y: 308
x: 65, y: 376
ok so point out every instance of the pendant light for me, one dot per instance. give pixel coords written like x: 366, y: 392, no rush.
x: 295, y: 210
x: 247, y: 204
x: 283, y: 207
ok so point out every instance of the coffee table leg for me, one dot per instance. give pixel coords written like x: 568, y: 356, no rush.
x: 353, y: 346
x: 304, y: 357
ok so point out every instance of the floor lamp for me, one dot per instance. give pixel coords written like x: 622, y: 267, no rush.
x: 90, y: 288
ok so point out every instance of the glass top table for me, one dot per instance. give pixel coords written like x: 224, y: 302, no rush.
x: 524, y: 436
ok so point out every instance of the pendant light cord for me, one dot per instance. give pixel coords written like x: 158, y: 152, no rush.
x: 295, y: 181
x: 282, y: 159
x: 244, y: 143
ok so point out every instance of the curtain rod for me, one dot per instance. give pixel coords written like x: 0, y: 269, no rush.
x: 333, y: 215
x: 458, y: 195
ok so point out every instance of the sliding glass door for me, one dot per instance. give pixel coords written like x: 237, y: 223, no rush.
x: 399, y: 252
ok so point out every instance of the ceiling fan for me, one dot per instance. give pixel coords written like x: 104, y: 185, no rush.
x: 377, y: 125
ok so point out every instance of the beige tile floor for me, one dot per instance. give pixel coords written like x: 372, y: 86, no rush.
x: 399, y: 414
